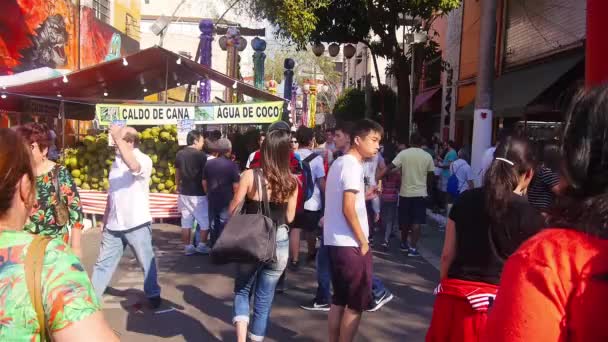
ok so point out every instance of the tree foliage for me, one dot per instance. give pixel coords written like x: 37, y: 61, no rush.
x: 295, y: 19
x: 306, y: 64
x: 350, y: 106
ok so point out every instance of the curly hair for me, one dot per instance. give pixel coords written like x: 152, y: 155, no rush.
x: 35, y: 133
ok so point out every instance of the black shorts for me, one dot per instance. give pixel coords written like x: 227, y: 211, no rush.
x: 412, y: 210
x: 307, y: 220
x: 351, y: 277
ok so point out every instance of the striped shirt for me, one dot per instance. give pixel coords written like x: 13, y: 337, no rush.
x: 540, y: 194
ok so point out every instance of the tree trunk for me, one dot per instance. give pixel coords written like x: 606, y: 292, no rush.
x: 403, y: 99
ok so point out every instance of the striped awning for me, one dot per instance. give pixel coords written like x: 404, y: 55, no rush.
x: 161, y: 205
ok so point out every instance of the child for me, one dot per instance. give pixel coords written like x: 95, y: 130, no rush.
x: 390, y: 198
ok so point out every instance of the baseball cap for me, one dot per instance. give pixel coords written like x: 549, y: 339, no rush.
x: 279, y: 126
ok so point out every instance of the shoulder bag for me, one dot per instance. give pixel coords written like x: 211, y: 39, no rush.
x: 248, y: 238
x: 34, y: 260
x: 61, y: 212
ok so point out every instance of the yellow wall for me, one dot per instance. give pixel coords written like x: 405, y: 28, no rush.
x: 132, y: 8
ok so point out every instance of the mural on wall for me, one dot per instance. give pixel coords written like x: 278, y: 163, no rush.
x: 36, y: 34
x: 100, y: 42
x: 127, y: 15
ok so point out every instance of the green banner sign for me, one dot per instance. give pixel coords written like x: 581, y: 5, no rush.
x: 217, y: 114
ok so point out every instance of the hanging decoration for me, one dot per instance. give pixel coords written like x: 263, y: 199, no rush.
x: 206, y: 46
x: 233, y: 42
x: 258, y: 45
x: 313, y: 106
x: 271, y: 86
x: 294, y: 101
x: 305, y: 92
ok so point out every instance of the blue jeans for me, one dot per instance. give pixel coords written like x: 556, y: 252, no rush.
x: 324, y: 279
x: 113, y: 244
x: 262, y: 279
x: 388, y: 214
x: 217, y: 220
x: 323, y: 276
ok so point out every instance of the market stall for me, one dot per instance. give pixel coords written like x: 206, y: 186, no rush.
x: 111, y: 92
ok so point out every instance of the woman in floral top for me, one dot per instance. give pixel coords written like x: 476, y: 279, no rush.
x: 42, y: 219
x: 71, y: 309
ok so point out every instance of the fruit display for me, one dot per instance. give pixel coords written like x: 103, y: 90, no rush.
x: 90, y: 162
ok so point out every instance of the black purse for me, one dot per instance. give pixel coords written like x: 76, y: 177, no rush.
x: 248, y: 238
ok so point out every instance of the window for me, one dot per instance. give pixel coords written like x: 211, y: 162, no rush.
x: 102, y: 10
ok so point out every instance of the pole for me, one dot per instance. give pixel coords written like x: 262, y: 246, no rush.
x: 167, y: 80
x: 411, y: 116
x: 482, y: 120
x: 596, y: 54
x: 288, y: 64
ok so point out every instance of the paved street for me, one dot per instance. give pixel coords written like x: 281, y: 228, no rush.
x: 198, y: 297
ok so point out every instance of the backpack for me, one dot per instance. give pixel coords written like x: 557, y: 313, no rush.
x: 453, y: 187
x: 306, y: 182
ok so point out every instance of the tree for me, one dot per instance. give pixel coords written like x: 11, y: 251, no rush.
x: 295, y: 19
x: 350, y: 106
x: 352, y: 21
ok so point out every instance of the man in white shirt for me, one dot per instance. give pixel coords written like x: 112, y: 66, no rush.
x: 346, y: 232
x: 127, y: 220
x: 308, y: 220
x: 463, y: 172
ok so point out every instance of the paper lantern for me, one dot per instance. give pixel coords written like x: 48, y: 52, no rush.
x: 349, y: 51
x: 318, y: 49
x: 334, y: 49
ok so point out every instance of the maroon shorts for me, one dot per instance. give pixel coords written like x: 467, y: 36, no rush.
x: 351, y: 277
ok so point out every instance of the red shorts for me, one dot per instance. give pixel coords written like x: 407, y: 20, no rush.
x: 454, y: 316
x: 351, y: 277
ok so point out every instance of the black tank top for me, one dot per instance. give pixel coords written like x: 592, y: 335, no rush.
x: 278, y: 211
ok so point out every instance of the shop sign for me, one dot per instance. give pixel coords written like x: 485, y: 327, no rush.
x: 216, y: 114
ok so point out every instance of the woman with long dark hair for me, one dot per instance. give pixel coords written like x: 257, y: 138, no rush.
x: 68, y: 305
x: 555, y: 287
x: 484, y: 227
x: 282, y: 192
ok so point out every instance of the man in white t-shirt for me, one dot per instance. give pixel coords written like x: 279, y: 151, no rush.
x: 463, y: 171
x: 127, y: 219
x: 371, y: 168
x: 346, y: 232
x: 308, y: 220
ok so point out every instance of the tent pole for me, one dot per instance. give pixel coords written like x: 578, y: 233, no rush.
x: 166, y: 80
x: 62, y: 116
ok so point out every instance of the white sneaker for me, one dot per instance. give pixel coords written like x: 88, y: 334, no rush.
x: 203, y: 248
x: 190, y: 250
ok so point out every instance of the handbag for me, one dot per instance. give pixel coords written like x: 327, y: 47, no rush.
x: 34, y: 260
x: 248, y: 238
x: 61, y: 212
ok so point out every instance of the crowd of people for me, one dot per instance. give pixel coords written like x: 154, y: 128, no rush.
x: 524, y: 256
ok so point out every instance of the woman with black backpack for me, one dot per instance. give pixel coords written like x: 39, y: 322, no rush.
x: 274, y: 184
x: 485, y: 226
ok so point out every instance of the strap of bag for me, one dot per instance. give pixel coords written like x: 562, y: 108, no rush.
x: 310, y: 157
x: 262, y: 190
x: 34, y: 260
x: 55, y: 175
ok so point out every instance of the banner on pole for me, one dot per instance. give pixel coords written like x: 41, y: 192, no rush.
x: 159, y: 114
x: 183, y: 128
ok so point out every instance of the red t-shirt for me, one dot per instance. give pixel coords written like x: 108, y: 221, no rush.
x: 550, y: 291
